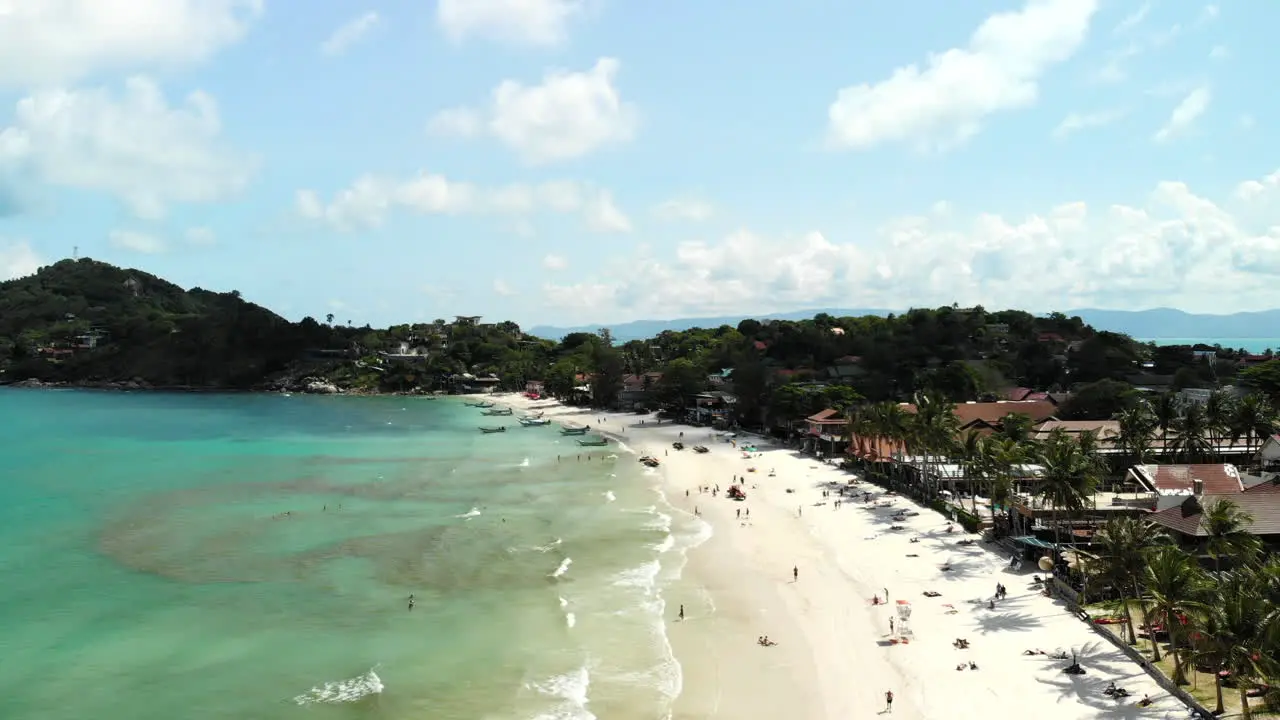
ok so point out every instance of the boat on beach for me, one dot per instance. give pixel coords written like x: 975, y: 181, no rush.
x: 649, y: 461
x: 498, y: 429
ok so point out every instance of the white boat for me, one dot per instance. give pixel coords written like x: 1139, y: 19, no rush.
x: 534, y: 422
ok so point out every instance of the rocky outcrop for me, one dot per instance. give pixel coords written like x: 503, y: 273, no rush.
x: 319, y: 387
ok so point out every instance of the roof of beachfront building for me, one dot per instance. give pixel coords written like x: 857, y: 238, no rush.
x: 1263, y: 507
x: 1215, y: 478
x: 1105, y: 430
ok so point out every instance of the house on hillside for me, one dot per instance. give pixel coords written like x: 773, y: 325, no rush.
x: 714, y: 408
x: 1171, y: 484
x: 637, y: 389
x: 846, y: 367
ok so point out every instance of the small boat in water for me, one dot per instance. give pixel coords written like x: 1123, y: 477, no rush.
x: 594, y: 442
x: 497, y: 411
x: 487, y: 430
x: 571, y: 430
x: 534, y: 422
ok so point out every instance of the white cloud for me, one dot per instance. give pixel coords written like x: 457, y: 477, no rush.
x: 1173, y: 248
x: 133, y: 146
x: 570, y: 114
x: 1219, y: 52
x: 945, y: 103
x: 17, y: 259
x: 1133, y: 19
x: 1185, y: 114
x: 137, y: 242
x: 201, y: 237
x: 554, y: 262
x: 603, y: 214
x: 371, y: 199
x: 500, y: 287
x: 521, y: 22
x: 44, y: 42
x: 1075, y: 122
x: 683, y: 209
x: 350, y: 33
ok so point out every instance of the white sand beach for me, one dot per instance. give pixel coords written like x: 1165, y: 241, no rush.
x: 833, y: 657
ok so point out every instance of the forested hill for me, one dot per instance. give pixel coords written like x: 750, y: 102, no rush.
x: 82, y: 320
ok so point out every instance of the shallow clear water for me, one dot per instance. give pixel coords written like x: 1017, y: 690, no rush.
x: 251, y: 556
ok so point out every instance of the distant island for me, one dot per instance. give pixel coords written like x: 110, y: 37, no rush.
x: 1154, y: 324
x: 85, y: 323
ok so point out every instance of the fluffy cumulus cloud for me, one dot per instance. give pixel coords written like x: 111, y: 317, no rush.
x: 371, y: 199
x: 523, y: 22
x: 945, y: 102
x: 1174, y: 248
x: 132, y: 145
x: 567, y: 115
x: 46, y: 42
x: 349, y: 33
x: 17, y: 259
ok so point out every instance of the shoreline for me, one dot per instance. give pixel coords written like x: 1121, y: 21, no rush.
x: 834, y: 657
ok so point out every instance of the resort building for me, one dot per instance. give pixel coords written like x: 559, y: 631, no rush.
x: 1170, y: 485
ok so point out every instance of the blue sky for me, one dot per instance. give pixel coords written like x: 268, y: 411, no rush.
x: 563, y: 161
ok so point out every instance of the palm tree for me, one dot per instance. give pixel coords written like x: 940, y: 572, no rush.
x: 1068, y: 478
x: 1173, y: 580
x: 1136, y: 426
x: 1219, y: 410
x: 1121, y: 545
x: 934, y: 427
x: 1192, y: 441
x: 1226, y: 529
x: 1000, y: 456
x: 1165, y: 412
x: 1254, y: 419
x: 971, y: 451
x: 1237, y: 632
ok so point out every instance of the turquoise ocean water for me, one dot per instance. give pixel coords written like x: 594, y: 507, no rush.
x: 251, y: 556
x: 1253, y: 345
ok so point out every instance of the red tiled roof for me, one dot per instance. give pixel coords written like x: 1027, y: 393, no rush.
x: 1217, y: 478
x: 1264, y: 508
x: 760, y: 345
x: 992, y: 412
x: 1018, y: 393
x: 827, y: 416
x: 1266, y: 487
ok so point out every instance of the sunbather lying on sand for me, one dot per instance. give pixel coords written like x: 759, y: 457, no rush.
x: 932, y: 593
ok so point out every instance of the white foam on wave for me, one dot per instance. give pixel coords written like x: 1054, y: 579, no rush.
x: 549, y: 546
x: 667, y: 543
x: 473, y: 512
x: 343, y: 691
x: 570, y: 689
x: 609, y: 496
x: 564, y: 568
x: 570, y: 620
x: 643, y: 577
x: 523, y: 463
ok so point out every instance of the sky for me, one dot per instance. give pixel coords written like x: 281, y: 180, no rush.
x: 599, y: 161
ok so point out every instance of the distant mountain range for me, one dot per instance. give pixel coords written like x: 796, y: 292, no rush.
x: 1155, y: 324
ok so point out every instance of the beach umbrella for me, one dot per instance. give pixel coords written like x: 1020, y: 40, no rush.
x: 1046, y: 563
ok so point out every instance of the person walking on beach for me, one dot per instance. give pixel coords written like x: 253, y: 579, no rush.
x: 795, y: 574
x: 890, y: 626
x: 886, y: 595
x: 682, y: 612
x: 888, y: 701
